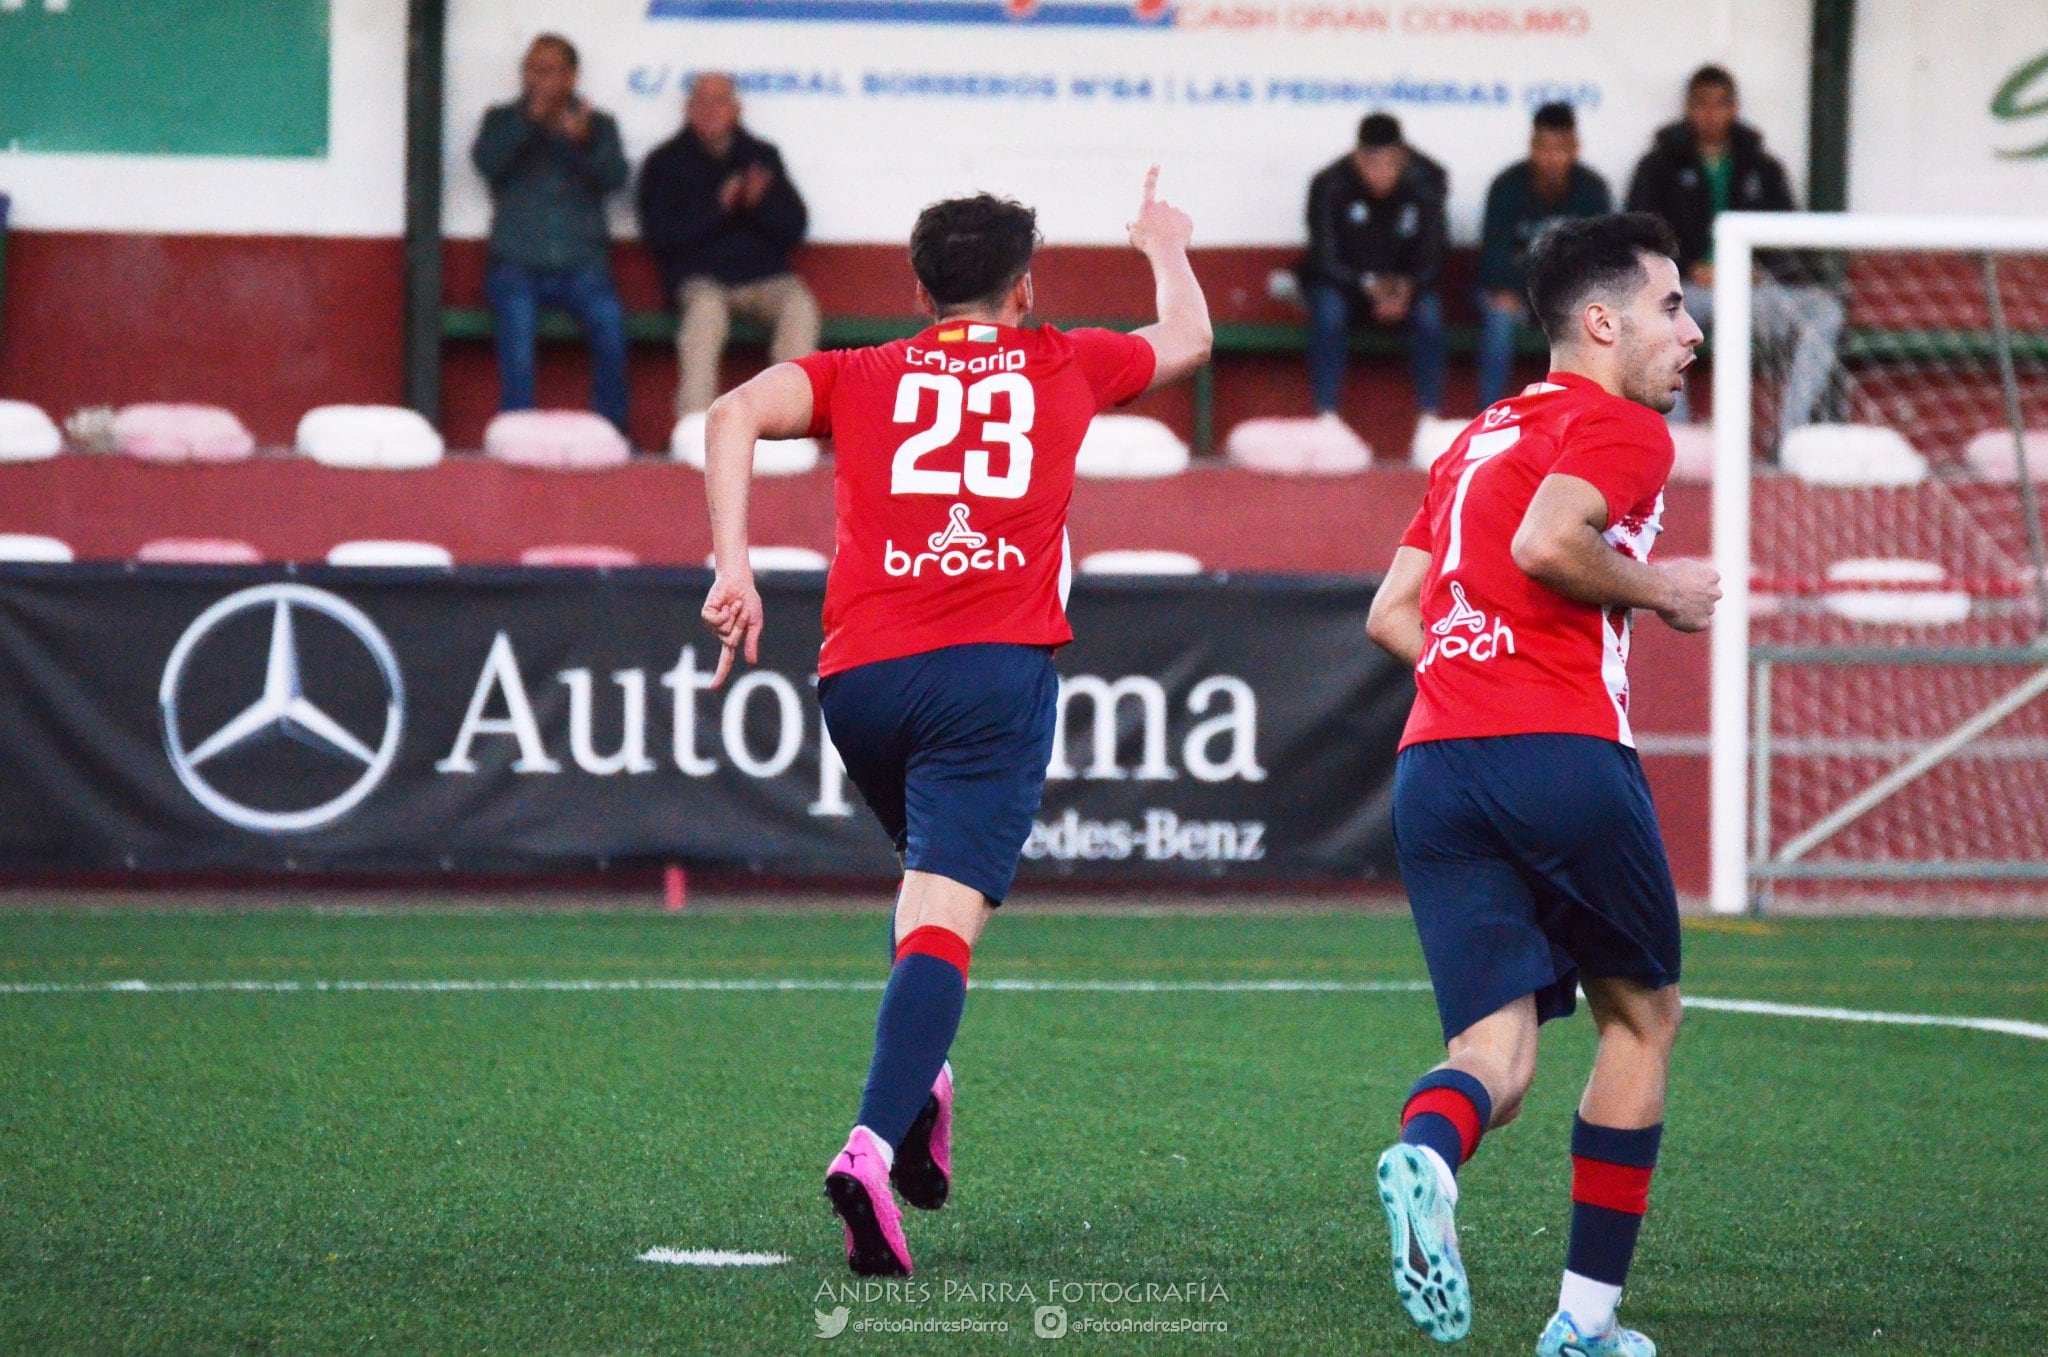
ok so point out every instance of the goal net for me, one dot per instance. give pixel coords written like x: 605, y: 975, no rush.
x: 1880, y: 665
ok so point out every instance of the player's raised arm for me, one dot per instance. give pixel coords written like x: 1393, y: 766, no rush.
x: 1181, y: 337
x: 774, y: 404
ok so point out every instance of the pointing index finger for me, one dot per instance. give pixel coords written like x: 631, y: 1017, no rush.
x: 1151, y: 184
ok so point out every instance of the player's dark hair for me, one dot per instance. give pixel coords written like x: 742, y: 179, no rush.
x: 1585, y: 257
x: 1379, y: 129
x: 1716, y: 76
x: 1556, y: 118
x: 970, y: 251
x: 560, y: 44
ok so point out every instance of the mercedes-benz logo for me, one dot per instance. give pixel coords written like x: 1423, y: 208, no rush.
x: 283, y: 708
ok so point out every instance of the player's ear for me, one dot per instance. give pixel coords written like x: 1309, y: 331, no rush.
x: 1022, y: 293
x: 1600, y: 322
x: 925, y: 303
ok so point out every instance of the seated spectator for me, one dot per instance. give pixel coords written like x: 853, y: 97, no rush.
x: 1711, y: 163
x: 1526, y: 199
x: 1375, y: 250
x: 719, y: 212
x: 551, y: 160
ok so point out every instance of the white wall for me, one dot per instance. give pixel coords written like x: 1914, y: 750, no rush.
x: 867, y: 160
x: 357, y: 189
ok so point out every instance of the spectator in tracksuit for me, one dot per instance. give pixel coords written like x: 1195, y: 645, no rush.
x: 1711, y: 163
x: 1525, y: 200
x: 718, y: 210
x: 551, y: 160
x: 1376, y: 238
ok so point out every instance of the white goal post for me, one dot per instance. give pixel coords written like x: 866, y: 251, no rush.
x: 2011, y: 669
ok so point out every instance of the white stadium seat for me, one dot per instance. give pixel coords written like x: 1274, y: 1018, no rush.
x: 1851, y: 455
x: 375, y: 552
x: 555, y: 440
x: 1323, y: 446
x: 384, y: 437
x: 1433, y: 438
x: 26, y: 433
x: 182, y: 433
x: 772, y: 456
x: 1140, y: 563
x: 766, y: 560
x: 28, y: 546
x: 1693, y: 452
x: 1990, y: 455
x: 585, y: 555
x: 1130, y: 447
x: 198, y: 551
x: 1880, y: 590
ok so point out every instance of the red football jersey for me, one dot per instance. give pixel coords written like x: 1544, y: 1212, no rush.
x: 954, y: 466
x: 1502, y: 654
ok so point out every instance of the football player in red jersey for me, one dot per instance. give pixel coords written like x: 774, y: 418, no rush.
x: 953, y: 468
x: 1528, y: 844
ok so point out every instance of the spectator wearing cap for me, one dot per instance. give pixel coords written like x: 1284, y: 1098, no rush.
x: 1711, y: 162
x: 551, y: 160
x: 1376, y: 239
x: 721, y: 215
x: 1524, y: 201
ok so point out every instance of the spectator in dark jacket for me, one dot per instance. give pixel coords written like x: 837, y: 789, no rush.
x: 719, y: 212
x: 1526, y: 199
x: 1711, y: 163
x: 1376, y: 238
x: 551, y: 160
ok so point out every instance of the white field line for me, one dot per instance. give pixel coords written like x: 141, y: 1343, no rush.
x: 2014, y: 1027
x: 711, y: 1258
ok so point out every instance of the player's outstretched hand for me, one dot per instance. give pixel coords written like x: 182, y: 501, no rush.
x: 733, y: 612
x: 1160, y: 225
x: 1692, y: 587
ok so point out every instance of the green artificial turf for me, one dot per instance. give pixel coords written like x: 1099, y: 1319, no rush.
x: 476, y: 1171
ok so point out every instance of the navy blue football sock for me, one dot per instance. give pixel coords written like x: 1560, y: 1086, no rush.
x: 920, y: 1013
x: 1610, y: 1192
x: 1447, y: 1111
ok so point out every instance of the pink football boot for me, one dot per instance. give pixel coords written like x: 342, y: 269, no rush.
x: 924, y: 1161
x: 858, y: 1187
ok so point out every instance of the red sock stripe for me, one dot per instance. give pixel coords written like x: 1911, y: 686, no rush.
x: 1453, y: 1107
x: 1614, y: 1186
x: 943, y: 943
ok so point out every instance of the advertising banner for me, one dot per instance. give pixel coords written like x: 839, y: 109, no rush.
x: 485, y: 720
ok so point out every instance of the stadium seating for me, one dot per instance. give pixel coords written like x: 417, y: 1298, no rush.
x: 28, y: 546
x: 1324, y: 446
x: 26, y: 433
x: 386, y: 437
x: 1130, y: 447
x: 1990, y: 455
x: 198, y: 551
x: 589, y: 556
x: 1140, y: 563
x: 1893, y: 589
x: 1851, y: 454
x: 772, y: 456
x: 555, y: 440
x: 1433, y: 438
x: 374, y: 552
x: 1693, y: 449
x: 766, y: 560
x: 182, y: 433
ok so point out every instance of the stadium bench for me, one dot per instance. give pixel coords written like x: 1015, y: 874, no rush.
x: 839, y: 332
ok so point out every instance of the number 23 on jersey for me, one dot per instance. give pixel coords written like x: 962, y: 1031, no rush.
x: 951, y: 400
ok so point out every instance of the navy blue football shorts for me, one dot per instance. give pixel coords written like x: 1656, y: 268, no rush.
x: 1530, y: 860
x: 949, y: 749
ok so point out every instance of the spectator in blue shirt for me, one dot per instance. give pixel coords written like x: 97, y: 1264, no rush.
x: 1527, y: 199
x: 551, y: 160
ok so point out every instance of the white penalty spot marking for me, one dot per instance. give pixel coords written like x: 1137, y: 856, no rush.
x: 710, y: 1258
